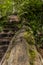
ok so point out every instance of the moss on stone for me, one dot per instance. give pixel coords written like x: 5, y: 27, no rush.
x: 7, y: 55
x: 29, y: 37
x: 32, y: 53
x: 32, y: 56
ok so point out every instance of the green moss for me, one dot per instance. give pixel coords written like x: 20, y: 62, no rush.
x: 19, y: 25
x: 1, y: 29
x: 29, y: 37
x: 7, y: 55
x: 32, y: 54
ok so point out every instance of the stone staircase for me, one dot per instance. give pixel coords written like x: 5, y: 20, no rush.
x: 5, y: 38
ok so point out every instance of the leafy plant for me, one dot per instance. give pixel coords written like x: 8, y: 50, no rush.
x: 5, y: 7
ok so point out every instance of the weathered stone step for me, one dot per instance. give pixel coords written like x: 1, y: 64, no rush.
x: 3, y: 45
x: 1, y: 50
x: 6, y: 34
x: 6, y: 38
x: 9, y: 25
x: 1, y: 55
x: 10, y: 29
x: 4, y: 42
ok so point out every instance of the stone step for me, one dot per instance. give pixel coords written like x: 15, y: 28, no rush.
x: 4, y: 42
x: 11, y: 26
x: 1, y: 55
x: 1, y: 46
x: 10, y: 29
x: 6, y: 35
x: 3, y: 51
x: 5, y: 38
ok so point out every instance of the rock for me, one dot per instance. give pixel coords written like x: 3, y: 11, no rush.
x: 14, y: 18
x: 21, y: 52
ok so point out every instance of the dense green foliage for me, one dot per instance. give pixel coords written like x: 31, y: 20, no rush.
x: 5, y: 7
x: 31, y: 10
